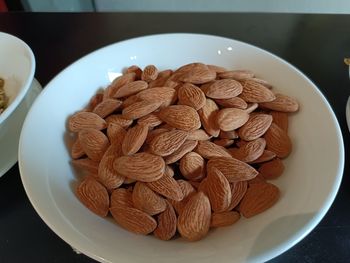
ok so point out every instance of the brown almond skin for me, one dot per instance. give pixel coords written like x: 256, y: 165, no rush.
x: 192, y: 166
x: 255, y: 127
x: 134, y: 220
x: 115, y: 132
x: 259, y: 198
x: 238, y: 191
x: 255, y: 92
x: 166, y: 143
x: 210, y: 150
x: 94, y: 196
x: 224, y: 89
x: 118, y: 82
x: 107, y: 107
x: 233, y: 169
x: 94, y: 143
x: 86, y: 165
x: 194, y: 221
x: 278, y: 141
x: 144, y: 167
x: 86, y: 120
x: 265, y: 157
x: 235, y: 102
x: 281, y: 119
x: 107, y: 175
x: 250, y: 151
x: 140, y: 109
x: 224, y: 219
x: 186, y: 147
x: 146, y: 200
x: 134, y: 139
x: 167, y: 222
x: 188, y: 191
x: 149, y: 73
x: 76, y: 150
x: 120, y: 198
x: 282, y: 103
x: 229, y: 119
x: 272, y: 169
x: 182, y: 117
x: 192, y: 96
x: 218, y: 190
x: 120, y: 120
x: 207, y: 116
x: 130, y: 89
x: 166, y: 95
x: 168, y: 187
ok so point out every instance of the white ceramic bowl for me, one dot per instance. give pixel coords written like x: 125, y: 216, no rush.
x: 17, y: 67
x: 308, y: 186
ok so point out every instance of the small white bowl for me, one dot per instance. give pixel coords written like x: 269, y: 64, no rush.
x: 17, y: 67
x: 308, y: 187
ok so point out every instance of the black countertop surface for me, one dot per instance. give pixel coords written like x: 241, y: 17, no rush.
x: 316, y: 44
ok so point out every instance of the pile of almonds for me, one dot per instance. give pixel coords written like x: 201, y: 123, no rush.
x: 181, y: 151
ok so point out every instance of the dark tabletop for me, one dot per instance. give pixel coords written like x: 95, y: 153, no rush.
x: 316, y: 44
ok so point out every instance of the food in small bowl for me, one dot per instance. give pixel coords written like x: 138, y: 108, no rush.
x: 307, y: 187
x: 17, y: 66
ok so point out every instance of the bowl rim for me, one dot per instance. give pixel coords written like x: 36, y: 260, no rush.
x: 277, y: 250
x: 24, y: 88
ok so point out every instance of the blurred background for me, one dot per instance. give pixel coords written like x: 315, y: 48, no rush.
x: 284, y: 6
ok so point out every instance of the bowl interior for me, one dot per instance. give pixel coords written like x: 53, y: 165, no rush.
x: 17, y: 66
x: 308, y: 186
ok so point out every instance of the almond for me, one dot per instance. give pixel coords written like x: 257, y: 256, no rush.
x: 86, y: 120
x: 224, y: 142
x: 282, y: 103
x: 144, y: 167
x: 94, y: 196
x: 94, y: 101
x: 140, y: 109
x: 151, y: 120
x: 146, y: 200
x: 149, y: 73
x: 130, y: 100
x: 167, y: 187
x: 130, y: 89
x: 117, y: 83
x: 192, y: 166
x: 236, y: 74
x: 168, y: 142
x: 207, y: 115
x: 210, y: 150
x: 281, y: 119
x: 107, y: 107
x: 218, y: 190
x: 257, y: 180
x: 121, y: 198
x: 259, y: 197
x: 188, y: 191
x: 255, y: 127
x: 235, y: 102
x: 181, y: 117
x: 229, y: 119
x: 266, y: 156
x: 167, y: 222
x: 165, y: 73
x: 238, y: 190
x: 262, y: 82
x: 115, y: 132
x: 224, y: 219
x: 135, y: 69
x: 166, y: 95
x: 233, y: 169
x: 94, y: 143
x: 87, y: 165
x: 223, y: 89
x: 186, y: 147
x: 250, y: 151
x: 196, y: 73
x: 107, y: 175
x: 252, y: 107
x: 198, y: 135
x: 134, y: 220
x: 169, y: 171
x: 159, y: 82
x: 255, y: 92
x: 76, y: 150
x: 191, y: 95
x: 134, y: 139
x: 120, y: 120
x: 278, y: 141
x: 217, y: 69
x: 272, y: 169
x: 194, y: 221
x: 153, y: 133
